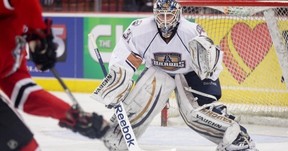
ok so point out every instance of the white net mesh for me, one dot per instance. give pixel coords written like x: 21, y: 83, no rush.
x: 252, y: 80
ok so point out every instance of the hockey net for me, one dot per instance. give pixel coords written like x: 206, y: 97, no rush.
x: 254, y: 39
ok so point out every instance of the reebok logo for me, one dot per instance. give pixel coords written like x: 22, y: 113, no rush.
x: 125, y: 127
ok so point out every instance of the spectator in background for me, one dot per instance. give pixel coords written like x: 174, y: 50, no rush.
x: 145, y: 5
x: 46, y: 2
x: 138, y: 5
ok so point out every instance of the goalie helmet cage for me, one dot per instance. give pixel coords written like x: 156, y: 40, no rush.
x: 253, y: 36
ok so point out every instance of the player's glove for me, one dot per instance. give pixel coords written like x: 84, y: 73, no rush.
x: 206, y: 57
x: 41, y: 46
x: 90, y: 125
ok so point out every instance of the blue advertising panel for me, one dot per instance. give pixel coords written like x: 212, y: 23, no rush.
x: 68, y: 33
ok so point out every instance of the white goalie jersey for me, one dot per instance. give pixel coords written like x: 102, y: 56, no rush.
x: 143, y: 39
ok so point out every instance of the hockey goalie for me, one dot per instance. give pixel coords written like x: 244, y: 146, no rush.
x: 178, y: 56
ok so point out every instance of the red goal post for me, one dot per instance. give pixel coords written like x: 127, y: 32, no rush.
x: 254, y: 37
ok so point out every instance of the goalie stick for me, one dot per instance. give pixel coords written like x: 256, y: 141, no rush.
x: 119, y: 110
x: 96, y: 50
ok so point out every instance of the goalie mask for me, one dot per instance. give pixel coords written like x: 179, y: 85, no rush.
x: 167, y: 15
x: 205, y: 56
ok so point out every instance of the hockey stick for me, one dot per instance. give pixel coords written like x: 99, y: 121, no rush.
x: 121, y: 115
x: 119, y: 110
x: 66, y: 89
x: 96, y: 50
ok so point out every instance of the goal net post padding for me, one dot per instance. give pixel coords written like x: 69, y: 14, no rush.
x: 253, y: 36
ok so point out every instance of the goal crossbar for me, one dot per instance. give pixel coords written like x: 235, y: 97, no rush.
x: 233, y: 3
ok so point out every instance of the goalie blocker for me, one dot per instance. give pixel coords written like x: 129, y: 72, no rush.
x: 115, y: 86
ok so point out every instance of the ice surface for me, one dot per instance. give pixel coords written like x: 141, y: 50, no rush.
x: 53, y: 138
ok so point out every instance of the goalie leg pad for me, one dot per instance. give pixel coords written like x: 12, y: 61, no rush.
x: 143, y: 103
x: 203, y: 119
x: 211, y: 120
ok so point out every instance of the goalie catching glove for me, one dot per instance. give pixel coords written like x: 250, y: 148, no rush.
x: 115, y: 86
x: 206, y: 57
x: 41, y: 46
x: 90, y: 125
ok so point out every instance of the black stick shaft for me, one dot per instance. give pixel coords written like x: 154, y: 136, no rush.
x: 66, y: 89
x: 100, y: 61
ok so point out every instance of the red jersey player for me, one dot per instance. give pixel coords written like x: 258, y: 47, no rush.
x: 22, y: 91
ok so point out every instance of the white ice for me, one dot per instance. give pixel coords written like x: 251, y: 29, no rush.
x: 53, y: 138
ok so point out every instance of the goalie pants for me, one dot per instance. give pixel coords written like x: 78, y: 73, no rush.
x: 207, y: 86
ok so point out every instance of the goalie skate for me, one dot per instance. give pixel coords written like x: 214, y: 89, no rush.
x: 242, y: 143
